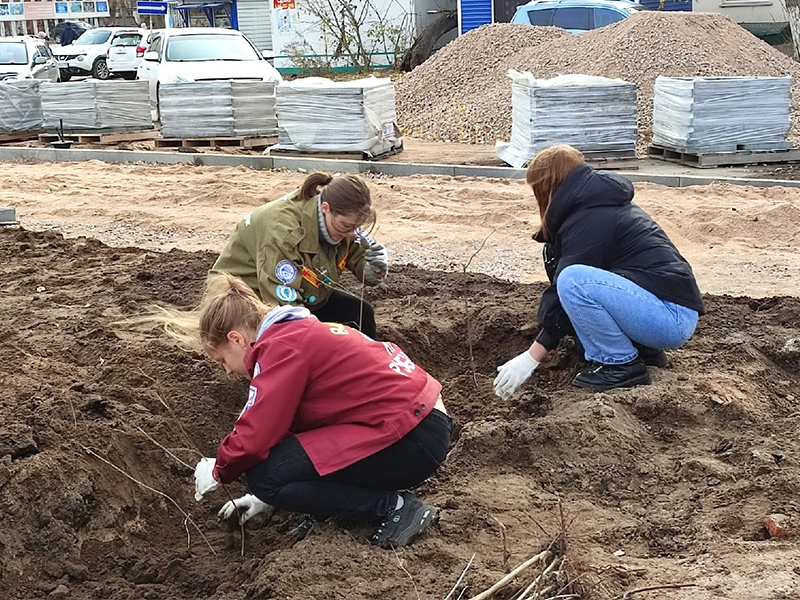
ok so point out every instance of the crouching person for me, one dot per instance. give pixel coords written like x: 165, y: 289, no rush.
x: 616, y: 279
x: 335, y: 424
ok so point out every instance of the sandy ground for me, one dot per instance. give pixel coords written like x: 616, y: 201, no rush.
x: 740, y: 240
x: 659, y: 486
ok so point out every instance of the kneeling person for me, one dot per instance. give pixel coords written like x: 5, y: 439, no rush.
x: 335, y: 424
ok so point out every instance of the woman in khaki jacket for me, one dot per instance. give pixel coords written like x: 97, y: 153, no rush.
x: 293, y: 250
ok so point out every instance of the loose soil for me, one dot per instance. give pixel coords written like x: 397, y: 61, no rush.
x: 655, y: 486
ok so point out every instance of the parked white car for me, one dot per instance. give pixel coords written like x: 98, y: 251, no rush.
x: 87, y: 55
x: 124, y: 55
x: 27, y: 58
x: 183, y: 55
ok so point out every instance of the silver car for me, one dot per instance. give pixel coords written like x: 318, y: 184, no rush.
x: 27, y: 57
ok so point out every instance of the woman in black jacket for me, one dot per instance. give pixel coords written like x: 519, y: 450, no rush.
x: 617, y: 281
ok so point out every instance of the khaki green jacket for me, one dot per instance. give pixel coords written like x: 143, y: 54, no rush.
x: 277, y: 251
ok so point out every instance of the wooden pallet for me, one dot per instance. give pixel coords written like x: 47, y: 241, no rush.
x: 343, y: 155
x: 18, y: 136
x: 610, y: 160
x: 600, y: 155
x: 614, y: 164
x: 719, y: 159
x: 240, y: 142
x: 111, y: 137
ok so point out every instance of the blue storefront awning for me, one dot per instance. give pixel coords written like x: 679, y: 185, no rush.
x: 201, y: 5
x: 209, y: 9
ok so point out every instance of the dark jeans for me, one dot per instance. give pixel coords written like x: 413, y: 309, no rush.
x: 348, y: 310
x: 366, y: 490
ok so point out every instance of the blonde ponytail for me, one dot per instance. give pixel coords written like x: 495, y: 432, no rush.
x: 228, y: 304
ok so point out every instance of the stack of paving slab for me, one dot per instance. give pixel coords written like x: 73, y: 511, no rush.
x: 232, y: 109
x: 319, y: 115
x: 97, y: 105
x: 592, y: 114
x: 721, y: 114
x: 20, y: 107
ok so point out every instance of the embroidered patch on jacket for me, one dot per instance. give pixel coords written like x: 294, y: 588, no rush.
x: 310, y: 277
x: 286, y: 271
x: 285, y: 293
x: 251, y: 399
x: 343, y: 262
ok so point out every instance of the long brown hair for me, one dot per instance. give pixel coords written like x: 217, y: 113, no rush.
x: 346, y: 194
x: 547, y: 171
x: 228, y: 304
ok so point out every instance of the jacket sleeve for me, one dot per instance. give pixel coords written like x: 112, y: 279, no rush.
x: 279, y: 268
x: 356, y: 261
x: 583, y: 241
x: 275, y: 394
x: 552, y: 319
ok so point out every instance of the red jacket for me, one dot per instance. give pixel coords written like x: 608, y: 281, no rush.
x: 345, y: 396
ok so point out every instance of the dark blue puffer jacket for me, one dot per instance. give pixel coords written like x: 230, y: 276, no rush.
x: 592, y: 221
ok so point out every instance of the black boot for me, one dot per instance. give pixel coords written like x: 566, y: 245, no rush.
x: 608, y: 377
x: 651, y: 356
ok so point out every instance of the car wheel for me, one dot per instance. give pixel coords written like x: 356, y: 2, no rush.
x: 100, y: 69
x: 129, y: 76
x: 65, y: 76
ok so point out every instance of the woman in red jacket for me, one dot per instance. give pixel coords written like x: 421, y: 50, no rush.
x: 335, y: 424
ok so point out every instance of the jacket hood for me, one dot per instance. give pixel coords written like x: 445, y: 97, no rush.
x: 585, y: 187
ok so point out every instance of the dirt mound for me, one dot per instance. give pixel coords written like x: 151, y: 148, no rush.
x: 100, y: 427
x: 439, y: 99
x: 462, y: 93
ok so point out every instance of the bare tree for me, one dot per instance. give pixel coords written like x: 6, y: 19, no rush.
x: 353, y: 32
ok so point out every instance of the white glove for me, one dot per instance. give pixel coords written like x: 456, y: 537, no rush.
x: 204, y: 480
x: 248, y: 506
x: 377, y: 257
x: 513, y: 374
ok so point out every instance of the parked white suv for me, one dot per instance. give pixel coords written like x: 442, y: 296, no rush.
x: 87, y: 55
x: 124, y: 56
x: 184, y: 55
x: 26, y: 58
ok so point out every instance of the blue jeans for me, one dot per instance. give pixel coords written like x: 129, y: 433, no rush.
x: 610, y: 312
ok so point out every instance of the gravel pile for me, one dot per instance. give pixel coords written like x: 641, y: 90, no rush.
x: 462, y: 93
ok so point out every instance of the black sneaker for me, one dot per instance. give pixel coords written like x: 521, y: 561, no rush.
x: 401, y: 526
x: 651, y: 356
x: 299, y: 533
x: 608, y: 377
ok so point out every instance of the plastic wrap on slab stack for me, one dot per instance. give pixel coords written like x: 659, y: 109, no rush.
x: 721, y: 114
x: 218, y: 109
x: 20, y: 106
x: 97, y: 105
x: 593, y: 114
x: 320, y: 115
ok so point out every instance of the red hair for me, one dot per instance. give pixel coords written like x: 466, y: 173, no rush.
x: 546, y: 172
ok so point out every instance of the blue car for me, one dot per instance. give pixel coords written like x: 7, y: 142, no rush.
x: 576, y: 16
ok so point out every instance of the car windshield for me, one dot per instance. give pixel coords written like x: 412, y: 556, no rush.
x: 13, y: 53
x: 93, y: 37
x: 127, y: 39
x: 203, y: 47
